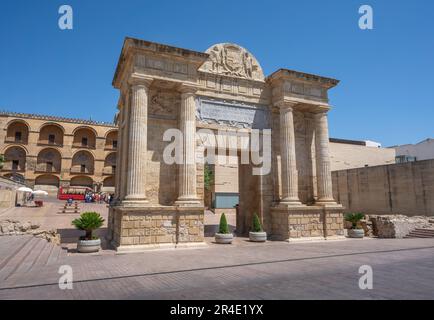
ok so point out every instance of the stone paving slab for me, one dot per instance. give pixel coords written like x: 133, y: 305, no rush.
x: 274, y: 270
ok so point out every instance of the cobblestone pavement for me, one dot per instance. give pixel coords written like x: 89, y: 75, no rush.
x: 402, y: 269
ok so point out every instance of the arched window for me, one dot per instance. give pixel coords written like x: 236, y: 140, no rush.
x: 82, y: 162
x: 81, y: 181
x: 15, y: 159
x: 47, y: 182
x: 111, y: 140
x: 84, y: 138
x: 51, y: 134
x: 17, y: 132
x: 49, y: 160
x: 110, y: 163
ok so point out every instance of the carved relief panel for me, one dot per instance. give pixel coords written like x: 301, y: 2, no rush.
x: 232, y: 60
x: 164, y: 103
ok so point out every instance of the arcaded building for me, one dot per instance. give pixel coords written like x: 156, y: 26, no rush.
x: 47, y: 152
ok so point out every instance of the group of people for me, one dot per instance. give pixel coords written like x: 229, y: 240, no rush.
x: 98, y: 197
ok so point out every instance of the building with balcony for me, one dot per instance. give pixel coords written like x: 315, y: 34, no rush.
x: 47, y: 152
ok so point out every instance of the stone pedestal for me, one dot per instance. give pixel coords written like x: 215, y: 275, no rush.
x: 156, y: 227
x: 307, y: 223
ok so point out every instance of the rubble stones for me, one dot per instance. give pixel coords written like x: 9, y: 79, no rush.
x: 14, y: 227
x: 397, y: 226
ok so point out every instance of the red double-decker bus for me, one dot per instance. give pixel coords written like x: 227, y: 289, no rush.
x: 74, y: 193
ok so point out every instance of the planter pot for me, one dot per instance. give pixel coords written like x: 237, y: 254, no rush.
x: 87, y: 246
x: 258, y: 236
x: 224, y: 238
x: 356, y: 233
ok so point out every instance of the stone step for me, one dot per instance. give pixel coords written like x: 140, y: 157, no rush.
x: 42, y: 259
x: 423, y: 230
x: 57, y: 253
x: 418, y: 237
x: 10, y: 246
x: 32, y: 257
x: 421, y: 234
x: 17, y: 259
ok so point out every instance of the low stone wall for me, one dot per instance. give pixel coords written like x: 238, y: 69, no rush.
x: 155, y: 226
x: 406, y: 189
x: 8, y: 193
x: 306, y: 222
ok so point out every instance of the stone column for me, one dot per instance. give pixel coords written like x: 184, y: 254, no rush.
x: 187, y: 169
x: 137, y: 144
x: 322, y: 154
x: 118, y: 156
x: 287, y: 152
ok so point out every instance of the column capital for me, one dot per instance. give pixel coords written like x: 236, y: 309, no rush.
x: 286, y: 105
x: 321, y: 114
x: 142, y: 81
x: 186, y: 88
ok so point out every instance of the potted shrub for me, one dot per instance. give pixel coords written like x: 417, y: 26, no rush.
x: 257, y: 234
x: 88, y: 222
x: 356, y: 230
x: 223, y: 236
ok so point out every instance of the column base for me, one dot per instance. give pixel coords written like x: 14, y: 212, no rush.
x: 327, y: 203
x: 158, y: 246
x: 290, y: 203
x: 134, y: 202
x: 187, y: 201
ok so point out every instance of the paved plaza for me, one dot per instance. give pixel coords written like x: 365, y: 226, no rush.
x: 402, y: 269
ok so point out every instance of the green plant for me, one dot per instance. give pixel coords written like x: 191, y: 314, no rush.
x: 208, y: 176
x: 88, y: 222
x: 2, y: 160
x: 223, y: 226
x: 354, y: 218
x: 256, y: 226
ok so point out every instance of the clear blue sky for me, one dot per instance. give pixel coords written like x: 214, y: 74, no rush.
x: 387, y: 74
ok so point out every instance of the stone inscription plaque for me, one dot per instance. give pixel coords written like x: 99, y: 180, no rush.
x: 232, y: 114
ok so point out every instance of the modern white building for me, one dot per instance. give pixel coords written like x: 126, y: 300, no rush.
x: 423, y: 150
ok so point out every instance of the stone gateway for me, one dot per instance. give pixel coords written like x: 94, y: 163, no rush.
x: 160, y: 205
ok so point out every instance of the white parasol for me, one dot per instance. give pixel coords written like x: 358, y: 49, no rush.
x: 40, y: 193
x: 24, y: 189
